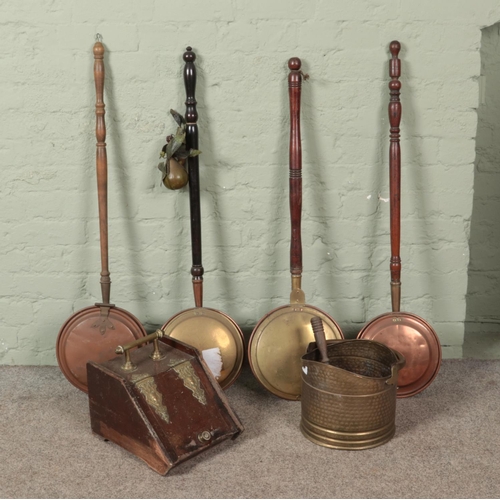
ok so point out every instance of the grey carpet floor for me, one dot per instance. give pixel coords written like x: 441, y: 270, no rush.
x: 447, y: 445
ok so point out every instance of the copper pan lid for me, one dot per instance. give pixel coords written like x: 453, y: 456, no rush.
x: 416, y: 340
x: 81, y: 339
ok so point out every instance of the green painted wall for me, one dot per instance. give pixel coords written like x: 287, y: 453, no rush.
x: 49, y: 235
x: 483, y: 291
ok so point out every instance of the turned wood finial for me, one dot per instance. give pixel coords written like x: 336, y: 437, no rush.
x: 190, y: 85
x: 189, y: 55
x: 395, y: 47
x: 98, y: 50
x: 394, y: 69
x: 294, y: 64
x: 98, y: 47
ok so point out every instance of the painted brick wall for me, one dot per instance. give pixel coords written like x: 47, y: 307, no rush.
x: 49, y: 236
x: 484, y: 268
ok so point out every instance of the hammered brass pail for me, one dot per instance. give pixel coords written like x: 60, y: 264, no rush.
x: 349, y: 403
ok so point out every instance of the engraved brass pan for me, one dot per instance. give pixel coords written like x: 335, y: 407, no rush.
x: 277, y: 343
x: 407, y: 333
x: 205, y: 328
x: 281, y: 337
x: 202, y: 327
x: 349, y: 392
x: 92, y: 333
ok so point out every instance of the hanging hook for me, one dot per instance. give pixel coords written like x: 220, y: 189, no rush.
x: 98, y: 37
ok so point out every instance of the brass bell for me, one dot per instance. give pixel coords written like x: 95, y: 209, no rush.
x: 176, y: 177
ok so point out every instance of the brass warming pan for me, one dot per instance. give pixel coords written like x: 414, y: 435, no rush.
x: 281, y: 337
x: 92, y: 333
x: 408, y: 333
x: 349, y: 392
x: 202, y: 327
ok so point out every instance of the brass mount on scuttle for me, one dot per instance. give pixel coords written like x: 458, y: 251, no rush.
x: 156, y: 355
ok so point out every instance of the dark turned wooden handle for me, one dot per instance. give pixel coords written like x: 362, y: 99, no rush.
x: 395, y: 174
x: 319, y: 336
x: 295, y: 158
x: 102, y: 168
x: 194, y: 174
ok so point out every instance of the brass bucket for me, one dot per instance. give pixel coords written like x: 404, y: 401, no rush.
x: 349, y: 403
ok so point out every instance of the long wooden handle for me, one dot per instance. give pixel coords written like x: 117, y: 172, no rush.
x: 101, y: 168
x: 295, y: 158
x: 194, y: 175
x: 395, y: 174
x: 319, y: 336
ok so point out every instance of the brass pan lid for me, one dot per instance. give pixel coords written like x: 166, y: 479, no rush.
x: 205, y: 328
x: 278, y: 343
x: 416, y: 340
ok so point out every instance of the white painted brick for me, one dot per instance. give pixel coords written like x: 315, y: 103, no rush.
x: 417, y: 152
x: 119, y: 11
x: 362, y: 36
x: 15, y: 100
x: 258, y: 35
x: 20, y: 313
x: 222, y: 10
x: 444, y: 178
x: 49, y: 233
x: 365, y: 10
x: 53, y: 233
x: 347, y: 310
x: 358, y: 205
x: 8, y: 336
x: 21, y: 356
x: 460, y: 126
x: 426, y: 10
x: 428, y: 282
x: 461, y: 95
x: 36, y: 286
x: 441, y: 261
x: 341, y: 285
x: 357, y: 64
x: 450, y: 334
x: 46, y: 12
x: 159, y: 204
x: 329, y: 32
x: 448, y: 66
x: 447, y: 309
x: 278, y: 9
x: 431, y: 204
x: 456, y: 151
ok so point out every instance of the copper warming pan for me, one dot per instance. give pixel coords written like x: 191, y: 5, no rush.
x: 281, y: 337
x: 93, y: 333
x: 202, y: 327
x: 404, y: 332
